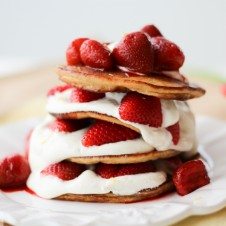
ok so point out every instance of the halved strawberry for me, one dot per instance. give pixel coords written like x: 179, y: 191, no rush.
x: 81, y: 95
x: 14, y: 171
x: 175, y: 132
x: 102, y: 132
x: 64, y: 170
x: 73, y: 51
x: 116, y: 170
x: 96, y: 55
x: 151, y: 30
x: 134, y: 52
x: 66, y: 125
x: 190, y: 176
x: 167, y: 55
x: 58, y: 89
x: 143, y: 109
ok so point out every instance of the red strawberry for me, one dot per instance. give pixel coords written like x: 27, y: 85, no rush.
x: 102, y: 132
x: 14, y: 171
x: 66, y: 125
x: 73, y: 51
x: 190, y: 176
x: 151, y: 30
x: 64, y: 170
x: 175, y: 132
x: 167, y: 55
x: 27, y: 144
x: 58, y: 89
x: 223, y: 89
x: 135, y: 53
x: 139, y: 108
x: 96, y: 55
x: 81, y: 95
x: 115, y: 170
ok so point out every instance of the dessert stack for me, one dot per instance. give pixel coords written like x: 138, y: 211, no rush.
x: 119, y: 129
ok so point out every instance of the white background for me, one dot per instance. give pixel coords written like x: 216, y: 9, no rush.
x: 39, y: 31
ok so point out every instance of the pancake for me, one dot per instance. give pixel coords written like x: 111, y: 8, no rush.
x: 125, y: 159
x: 157, y: 85
x: 112, y: 198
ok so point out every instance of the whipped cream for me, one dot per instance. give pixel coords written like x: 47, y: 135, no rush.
x: 159, y: 138
x: 88, y: 182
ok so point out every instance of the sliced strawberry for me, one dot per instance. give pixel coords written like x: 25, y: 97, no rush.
x: 58, y: 89
x: 64, y: 170
x: 27, y: 144
x: 102, y: 132
x: 73, y: 51
x: 167, y: 55
x: 66, y: 125
x: 139, y: 108
x: 175, y: 132
x: 151, y: 30
x: 190, y: 176
x: 134, y: 52
x: 116, y: 170
x: 81, y: 95
x: 14, y: 171
x: 96, y: 55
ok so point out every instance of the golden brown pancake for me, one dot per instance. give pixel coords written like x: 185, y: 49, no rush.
x: 125, y: 159
x: 157, y: 85
x: 112, y: 198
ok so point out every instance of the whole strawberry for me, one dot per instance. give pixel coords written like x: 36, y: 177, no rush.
x: 167, y: 55
x: 14, y: 171
x: 73, y: 52
x: 64, y: 170
x: 151, y: 30
x: 139, y: 108
x: 102, y: 132
x: 134, y: 52
x: 95, y: 55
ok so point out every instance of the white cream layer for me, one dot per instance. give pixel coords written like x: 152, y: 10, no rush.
x: 90, y: 183
x: 159, y: 138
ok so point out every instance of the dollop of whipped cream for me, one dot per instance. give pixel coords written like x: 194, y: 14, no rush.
x: 159, y: 138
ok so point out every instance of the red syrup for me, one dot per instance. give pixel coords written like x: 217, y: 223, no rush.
x: 21, y: 188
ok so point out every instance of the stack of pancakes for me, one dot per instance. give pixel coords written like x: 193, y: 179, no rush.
x: 113, y: 83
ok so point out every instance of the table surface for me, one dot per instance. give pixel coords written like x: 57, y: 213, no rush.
x: 23, y: 96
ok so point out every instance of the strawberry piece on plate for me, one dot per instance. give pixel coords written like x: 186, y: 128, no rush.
x: 14, y: 171
x: 139, y: 108
x: 95, y: 55
x: 66, y: 125
x: 81, y: 95
x: 151, y: 30
x: 102, y: 132
x: 175, y: 132
x: 58, y: 89
x: 116, y: 170
x: 134, y: 52
x: 167, y: 55
x: 73, y: 51
x: 64, y: 170
x: 190, y: 176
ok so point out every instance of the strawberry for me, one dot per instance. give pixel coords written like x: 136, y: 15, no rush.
x: 190, y: 176
x: 67, y: 125
x: 116, y: 170
x: 134, y: 52
x: 102, y: 132
x: 167, y: 55
x: 96, y: 55
x: 73, y: 51
x: 151, y: 30
x: 27, y: 144
x: 14, y: 171
x: 81, y: 95
x: 175, y: 132
x: 58, y: 89
x: 139, y: 108
x: 64, y: 170
x: 223, y: 89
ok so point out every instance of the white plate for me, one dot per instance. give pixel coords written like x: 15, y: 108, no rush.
x: 21, y: 208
